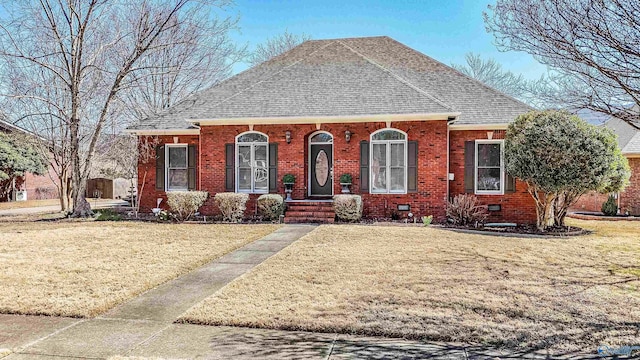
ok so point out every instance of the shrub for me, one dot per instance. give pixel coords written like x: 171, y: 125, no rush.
x: 288, y: 179
x: 348, y: 207
x: 426, y: 220
x: 184, y: 204
x: 232, y: 205
x: 270, y: 206
x: 464, y: 210
x: 108, y: 215
x: 345, y: 179
x: 610, y: 207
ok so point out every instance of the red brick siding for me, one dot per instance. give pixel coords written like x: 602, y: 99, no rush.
x: 149, y: 193
x: 630, y: 197
x: 518, y: 207
x: 293, y: 158
x: 41, y: 187
x: 430, y: 199
x: 591, y: 201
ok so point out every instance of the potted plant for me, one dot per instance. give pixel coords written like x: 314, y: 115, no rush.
x: 288, y: 181
x: 345, y: 182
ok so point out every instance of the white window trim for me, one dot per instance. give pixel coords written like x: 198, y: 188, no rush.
x: 252, y: 154
x: 502, y: 171
x: 388, y: 166
x: 166, y: 166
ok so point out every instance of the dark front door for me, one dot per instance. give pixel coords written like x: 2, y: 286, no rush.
x: 321, y: 164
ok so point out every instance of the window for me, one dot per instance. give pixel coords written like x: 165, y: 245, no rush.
x: 177, y: 167
x: 252, y: 163
x: 489, y: 170
x: 388, y: 162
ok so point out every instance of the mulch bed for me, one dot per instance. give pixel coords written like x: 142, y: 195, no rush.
x: 530, y: 230
x: 602, y: 217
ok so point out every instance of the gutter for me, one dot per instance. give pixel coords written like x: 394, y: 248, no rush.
x: 288, y: 120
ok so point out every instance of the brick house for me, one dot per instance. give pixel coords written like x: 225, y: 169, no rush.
x: 629, y: 143
x: 37, y: 187
x: 411, y: 131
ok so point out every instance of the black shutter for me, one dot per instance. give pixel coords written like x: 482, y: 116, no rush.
x: 469, y: 166
x: 230, y: 168
x: 412, y: 166
x: 510, y: 186
x: 364, y: 166
x: 191, y: 167
x: 273, y: 167
x: 160, y: 167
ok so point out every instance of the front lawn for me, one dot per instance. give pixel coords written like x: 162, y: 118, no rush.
x: 564, y: 294
x: 85, y: 268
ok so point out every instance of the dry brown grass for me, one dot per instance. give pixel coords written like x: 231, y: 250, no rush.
x: 40, y: 203
x: 426, y: 283
x: 84, y: 268
x: 28, y: 203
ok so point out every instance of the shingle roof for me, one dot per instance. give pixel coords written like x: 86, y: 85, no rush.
x: 344, y: 77
x: 628, y: 136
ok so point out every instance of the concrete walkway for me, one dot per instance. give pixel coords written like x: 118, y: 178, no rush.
x: 144, y: 328
x: 102, y: 204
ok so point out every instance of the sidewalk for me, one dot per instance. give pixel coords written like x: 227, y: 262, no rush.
x: 143, y: 327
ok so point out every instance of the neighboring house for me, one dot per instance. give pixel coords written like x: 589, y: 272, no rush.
x: 629, y: 199
x: 36, y: 186
x: 629, y: 142
x: 411, y: 131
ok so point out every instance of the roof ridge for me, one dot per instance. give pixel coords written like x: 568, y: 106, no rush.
x: 398, y: 77
x: 270, y: 76
x: 463, y: 74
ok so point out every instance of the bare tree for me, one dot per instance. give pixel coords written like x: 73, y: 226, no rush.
x: 592, y: 44
x: 204, y: 57
x: 275, y: 46
x: 122, y: 155
x: 541, y: 93
x: 89, y: 53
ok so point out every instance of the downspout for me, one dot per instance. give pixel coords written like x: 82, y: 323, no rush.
x: 448, y: 160
x: 199, y: 164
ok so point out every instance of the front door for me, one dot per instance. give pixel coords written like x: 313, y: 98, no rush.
x: 321, y: 169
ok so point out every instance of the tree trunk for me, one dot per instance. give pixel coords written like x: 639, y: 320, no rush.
x: 81, y: 207
x: 64, y: 192
x: 544, y: 212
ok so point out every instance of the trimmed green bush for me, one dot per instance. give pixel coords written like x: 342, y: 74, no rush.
x: 184, y: 204
x: 270, y: 206
x: 288, y: 179
x: 108, y: 215
x: 232, y: 205
x: 610, y: 207
x: 346, y: 179
x: 348, y: 207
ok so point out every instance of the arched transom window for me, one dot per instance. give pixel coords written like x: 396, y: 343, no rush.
x: 252, y: 162
x: 388, y: 162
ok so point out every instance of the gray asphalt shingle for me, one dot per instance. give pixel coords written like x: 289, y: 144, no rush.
x: 628, y: 136
x: 344, y: 77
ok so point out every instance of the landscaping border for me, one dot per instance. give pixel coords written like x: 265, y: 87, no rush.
x: 602, y: 217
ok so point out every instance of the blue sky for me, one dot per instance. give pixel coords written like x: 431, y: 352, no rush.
x: 443, y: 29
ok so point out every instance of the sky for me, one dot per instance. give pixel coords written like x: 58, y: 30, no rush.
x: 443, y: 29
